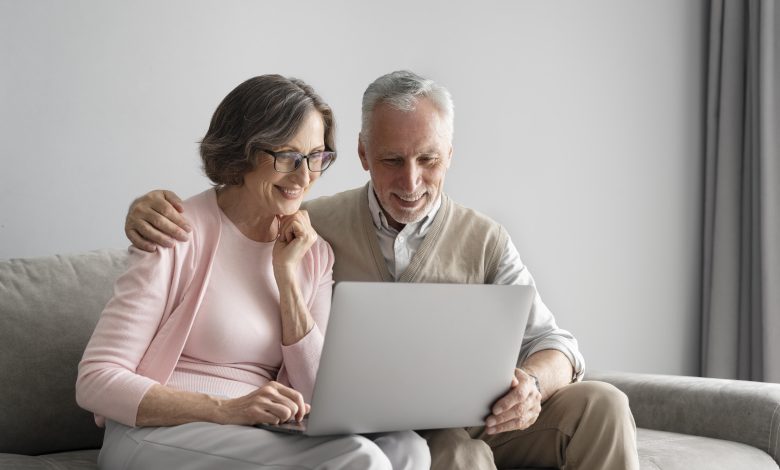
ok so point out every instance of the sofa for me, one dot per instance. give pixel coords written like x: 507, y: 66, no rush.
x: 49, y: 307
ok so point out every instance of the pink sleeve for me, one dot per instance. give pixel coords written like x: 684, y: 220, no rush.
x: 302, y: 359
x: 107, y: 382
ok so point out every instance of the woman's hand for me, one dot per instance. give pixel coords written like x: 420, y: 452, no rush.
x: 296, y: 236
x: 273, y: 403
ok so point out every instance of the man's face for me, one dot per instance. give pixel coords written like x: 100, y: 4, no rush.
x: 407, y: 154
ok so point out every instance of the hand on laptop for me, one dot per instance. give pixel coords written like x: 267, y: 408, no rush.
x: 272, y: 403
x: 519, y: 408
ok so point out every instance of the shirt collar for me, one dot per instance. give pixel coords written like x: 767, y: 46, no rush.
x: 380, y: 220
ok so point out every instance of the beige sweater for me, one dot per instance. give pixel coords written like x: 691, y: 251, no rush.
x: 462, y: 246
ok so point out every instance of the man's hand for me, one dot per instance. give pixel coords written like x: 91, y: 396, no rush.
x: 154, y: 218
x: 519, y: 408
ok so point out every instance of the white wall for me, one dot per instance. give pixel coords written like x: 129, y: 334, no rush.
x: 577, y: 126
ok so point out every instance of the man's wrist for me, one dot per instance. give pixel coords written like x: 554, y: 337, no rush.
x: 534, y: 377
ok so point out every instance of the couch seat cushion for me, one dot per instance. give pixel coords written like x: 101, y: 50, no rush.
x: 76, y: 460
x: 660, y: 450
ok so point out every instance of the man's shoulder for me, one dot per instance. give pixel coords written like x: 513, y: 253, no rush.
x: 334, y: 202
x: 462, y: 214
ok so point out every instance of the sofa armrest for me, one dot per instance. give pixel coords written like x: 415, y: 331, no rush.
x: 734, y: 410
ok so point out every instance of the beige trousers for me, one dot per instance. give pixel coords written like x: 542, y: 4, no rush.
x: 583, y: 426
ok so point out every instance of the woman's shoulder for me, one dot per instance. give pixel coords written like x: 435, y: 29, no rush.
x: 203, y: 204
x: 202, y: 211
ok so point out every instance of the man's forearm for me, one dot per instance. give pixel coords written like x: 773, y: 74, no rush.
x: 552, y: 368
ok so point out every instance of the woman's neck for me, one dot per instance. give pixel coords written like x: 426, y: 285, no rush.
x: 250, y: 220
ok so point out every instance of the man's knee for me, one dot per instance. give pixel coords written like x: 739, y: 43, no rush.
x: 601, y: 400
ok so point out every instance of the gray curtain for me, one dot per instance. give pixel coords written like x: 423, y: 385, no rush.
x: 741, y: 231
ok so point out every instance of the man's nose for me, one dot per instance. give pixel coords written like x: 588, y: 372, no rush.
x: 410, y: 177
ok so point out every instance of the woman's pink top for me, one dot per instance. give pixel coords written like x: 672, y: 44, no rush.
x: 202, y: 316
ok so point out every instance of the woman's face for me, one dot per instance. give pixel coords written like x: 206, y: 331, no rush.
x: 282, y: 193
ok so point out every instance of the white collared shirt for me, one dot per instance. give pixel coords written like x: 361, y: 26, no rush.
x: 398, y: 249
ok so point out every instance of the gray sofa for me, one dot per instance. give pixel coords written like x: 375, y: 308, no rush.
x: 49, y: 306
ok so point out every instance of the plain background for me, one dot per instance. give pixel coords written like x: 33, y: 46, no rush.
x: 578, y: 126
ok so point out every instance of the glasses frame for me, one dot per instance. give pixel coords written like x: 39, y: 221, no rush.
x: 301, y: 158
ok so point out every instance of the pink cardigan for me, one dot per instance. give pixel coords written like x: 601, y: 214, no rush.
x: 143, y: 328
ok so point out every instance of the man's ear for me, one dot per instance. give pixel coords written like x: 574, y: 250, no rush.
x: 362, y: 153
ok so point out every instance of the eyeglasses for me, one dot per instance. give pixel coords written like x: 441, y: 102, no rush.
x: 287, y: 162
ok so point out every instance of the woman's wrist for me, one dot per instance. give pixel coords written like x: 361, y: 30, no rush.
x: 285, y: 276
x: 217, y: 412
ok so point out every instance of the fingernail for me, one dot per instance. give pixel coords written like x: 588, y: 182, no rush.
x: 491, y: 430
x: 491, y: 422
x: 498, y: 410
x: 188, y: 228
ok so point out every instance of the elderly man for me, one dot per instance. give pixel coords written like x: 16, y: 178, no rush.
x: 402, y: 227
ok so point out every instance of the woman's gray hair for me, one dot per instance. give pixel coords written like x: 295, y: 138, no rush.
x: 260, y: 114
x: 401, y: 90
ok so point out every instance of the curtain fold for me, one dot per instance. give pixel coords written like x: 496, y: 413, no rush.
x: 740, y: 315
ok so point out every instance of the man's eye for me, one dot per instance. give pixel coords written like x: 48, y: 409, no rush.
x: 428, y: 161
x: 392, y: 161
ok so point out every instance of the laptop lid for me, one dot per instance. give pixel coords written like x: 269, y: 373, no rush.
x: 403, y: 356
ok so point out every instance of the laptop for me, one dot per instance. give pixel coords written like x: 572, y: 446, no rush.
x: 401, y: 356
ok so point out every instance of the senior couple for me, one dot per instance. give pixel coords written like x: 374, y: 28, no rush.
x: 222, y: 328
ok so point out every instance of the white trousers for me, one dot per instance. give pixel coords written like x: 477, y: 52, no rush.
x: 202, y: 446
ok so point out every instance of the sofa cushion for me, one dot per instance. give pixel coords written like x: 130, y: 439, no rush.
x: 48, y: 309
x: 661, y: 450
x: 78, y: 460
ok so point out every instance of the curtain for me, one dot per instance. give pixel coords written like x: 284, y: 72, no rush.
x: 740, y: 302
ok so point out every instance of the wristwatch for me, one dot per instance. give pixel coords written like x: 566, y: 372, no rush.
x: 536, y: 379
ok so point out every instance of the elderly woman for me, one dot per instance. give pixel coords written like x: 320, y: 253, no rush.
x: 207, y: 338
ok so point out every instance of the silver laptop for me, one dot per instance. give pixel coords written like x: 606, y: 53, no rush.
x: 401, y: 356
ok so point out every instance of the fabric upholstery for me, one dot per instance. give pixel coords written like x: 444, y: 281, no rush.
x: 739, y: 411
x: 77, y: 460
x: 661, y: 450
x: 48, y: 309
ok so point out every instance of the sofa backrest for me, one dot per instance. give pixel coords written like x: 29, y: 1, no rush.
x: 48, y: 309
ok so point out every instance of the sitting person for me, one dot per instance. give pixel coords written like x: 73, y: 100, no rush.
x: 207, y: 338
x: 402, y: 227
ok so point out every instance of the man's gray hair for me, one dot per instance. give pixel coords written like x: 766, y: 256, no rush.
x: 401, y: 90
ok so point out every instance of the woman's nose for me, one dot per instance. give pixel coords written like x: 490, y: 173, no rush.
x: 302, y: 175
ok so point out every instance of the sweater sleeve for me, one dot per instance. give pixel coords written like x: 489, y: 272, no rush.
x: 302, y: 359
x: 107, y: 382
x: 541, y: 331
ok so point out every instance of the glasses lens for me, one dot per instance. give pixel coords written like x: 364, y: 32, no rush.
x: 320, y: 161
x: 286, y: 162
